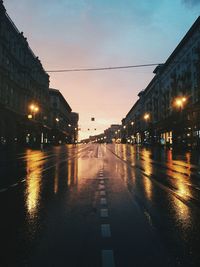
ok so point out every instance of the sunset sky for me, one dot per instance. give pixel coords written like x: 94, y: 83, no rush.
x: 68, y: 34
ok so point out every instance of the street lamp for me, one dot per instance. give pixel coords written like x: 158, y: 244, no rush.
x: 146, y: 116
x: 180, y: 101
x: 34, y: 109
x: 147, y: 131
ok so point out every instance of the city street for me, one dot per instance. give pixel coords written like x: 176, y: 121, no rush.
x: 100, y: 205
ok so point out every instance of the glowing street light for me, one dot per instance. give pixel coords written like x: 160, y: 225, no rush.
x: 180, y: 101
x: 57, y: 120
x: 146, y: 116
x: 34, y: 109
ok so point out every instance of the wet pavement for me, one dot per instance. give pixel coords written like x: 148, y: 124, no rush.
x: 100, y: 205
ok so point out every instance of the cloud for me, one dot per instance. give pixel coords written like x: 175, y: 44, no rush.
x: 191, y: 3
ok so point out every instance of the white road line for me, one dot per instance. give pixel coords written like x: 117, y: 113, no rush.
x: 22, y: 181
x: 99, y: 154
x: 104, y: 213
x: 105, y: 230
x: 102, y: 193
x: 101, y: 175
x: 103, y: 201
x: 3, y: 190
x: 107, y: 258
x: 101, y: 182
x: 101, y: 187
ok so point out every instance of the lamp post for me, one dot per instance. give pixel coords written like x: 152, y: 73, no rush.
x: 146, y: 116
x: 131, y: 132
x: 147, y: 119
x: 179, y: 103
x: 34, y: 109
x: 119, y: 137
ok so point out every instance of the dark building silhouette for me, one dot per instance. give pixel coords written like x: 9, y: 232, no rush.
x: 27, y: 114
x: 168, y: 110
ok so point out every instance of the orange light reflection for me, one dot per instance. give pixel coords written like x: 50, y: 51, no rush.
x: 33, y: 181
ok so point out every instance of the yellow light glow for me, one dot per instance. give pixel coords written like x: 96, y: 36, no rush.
x: 32, y: 107
x: 33, y: 181
x: 179, y: 102
x: 146, y: 116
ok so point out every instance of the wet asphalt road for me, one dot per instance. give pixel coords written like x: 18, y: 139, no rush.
x: 100, y: 205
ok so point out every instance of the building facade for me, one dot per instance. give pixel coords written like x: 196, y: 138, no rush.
x: 30, y: 113
x: 64, y: 122
x: 112, y: 134
x: 24, y: 85
x: 168, y: 110
x: 60, y: 117
x: 74, y: 127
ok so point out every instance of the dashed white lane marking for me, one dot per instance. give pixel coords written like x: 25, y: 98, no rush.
x: 101, y: 187
x: 105, y: 230
x: 108, y: 258
x: 101, y: 182
x: 13, y: 185
x: 99, y: 154
x: 102, y: 193
x: 101, y: 175
x: 104, y: 213
x: 3, y: 190
x: 103, y: 201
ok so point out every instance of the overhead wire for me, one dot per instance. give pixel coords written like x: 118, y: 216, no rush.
x: 105, y: 68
